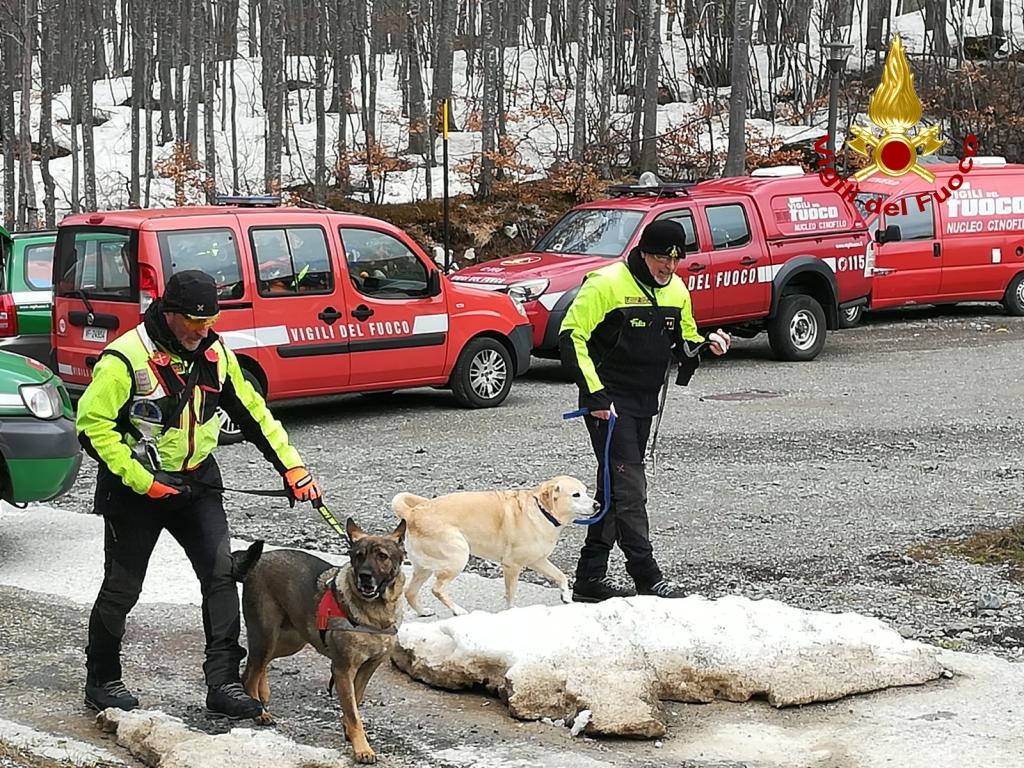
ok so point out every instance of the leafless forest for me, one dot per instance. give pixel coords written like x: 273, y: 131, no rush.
x: 603, y: 68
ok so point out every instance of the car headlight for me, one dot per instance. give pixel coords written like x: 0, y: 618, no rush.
x: 528, y: 290
x: 42, y: 400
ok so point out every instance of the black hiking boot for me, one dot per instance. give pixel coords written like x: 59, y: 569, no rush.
x: 596, y: 590
x: 663, y: 589
x: 231, y: 701
x: 101, y: 696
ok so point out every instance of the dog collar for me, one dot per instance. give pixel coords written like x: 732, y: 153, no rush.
x: 550, y: 518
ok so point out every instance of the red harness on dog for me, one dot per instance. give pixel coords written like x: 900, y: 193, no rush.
x: 328, y: 609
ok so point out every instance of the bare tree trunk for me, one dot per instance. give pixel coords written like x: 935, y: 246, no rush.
x: 271, y: 48
x: 540, y: 22
x: 254, y: 12
x: 148, y: 77
x: 46, y: 82
x: 607, y: 81
x: 652, y: 42
x: 877, y: 15
x: 209, y: 100
x: 770, y: 21
x: 88, y: 146
x: 320, y: 161
x: 796, y: 21
x: 7, y: 79
x: 234, y: 130
x: 935, y: 20
x: 195, y: 75
x: 442, y: 86
x: 490, y: 76
x: 76, y: 109
x: 417, y: 107
x: 735, y: 163
x: 579, y: 128
x: 165, y: 52
x: 996, y: 11
x: 139, y: 97
x: 27, y: 199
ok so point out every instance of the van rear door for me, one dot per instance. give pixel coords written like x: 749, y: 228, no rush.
x: 96, y: 296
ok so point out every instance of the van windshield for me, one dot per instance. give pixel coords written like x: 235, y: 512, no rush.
x: 591, y: 231
x: 95, y: 262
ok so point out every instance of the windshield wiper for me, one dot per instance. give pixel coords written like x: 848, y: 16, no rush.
x: 88, y: 307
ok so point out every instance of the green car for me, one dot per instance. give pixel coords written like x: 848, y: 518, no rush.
x: 39, y: 451
x: 26, y: 292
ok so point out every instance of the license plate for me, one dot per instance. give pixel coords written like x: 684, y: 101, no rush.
x: 95, y: 334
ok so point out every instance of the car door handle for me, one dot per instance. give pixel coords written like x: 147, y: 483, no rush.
x: 936, y: 249
x: 748, y: 261
x: 329, y: 315
x: 696, y: 267
x: 361, y: 312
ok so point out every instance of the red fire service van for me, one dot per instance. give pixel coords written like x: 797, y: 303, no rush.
x: 941, y: 242
x: 775, y: 251
x: 313, y: 302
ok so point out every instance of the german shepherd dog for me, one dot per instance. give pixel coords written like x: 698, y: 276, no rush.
x: 282, y: 598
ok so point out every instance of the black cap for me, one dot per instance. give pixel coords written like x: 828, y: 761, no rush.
x: 191, y: 292
x: 664, y: 238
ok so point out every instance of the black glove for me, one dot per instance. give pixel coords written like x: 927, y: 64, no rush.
x: 177, y: 482
x: 687, y: 367
x: 597, y: 401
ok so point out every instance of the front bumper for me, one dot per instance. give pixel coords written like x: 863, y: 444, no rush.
x: 43, y: 457
x: 522, y: 342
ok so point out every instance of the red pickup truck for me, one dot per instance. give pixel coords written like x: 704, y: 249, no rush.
x: 775, y: 251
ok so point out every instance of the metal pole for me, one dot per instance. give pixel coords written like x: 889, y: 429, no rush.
x: 833, y: 105
x: 444, y: 144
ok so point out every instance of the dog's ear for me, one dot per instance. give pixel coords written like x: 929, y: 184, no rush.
x: 355, y: 533
x: 549, y: 494
x: 398, y: 535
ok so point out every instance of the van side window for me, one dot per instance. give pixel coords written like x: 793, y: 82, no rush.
x: 100, y: 265
x: 728, y: 224
x: 39, y: 267
x: 685, y: 219
x: 915, y: 224
x: 291, y: 260
x: 211, y: 250
x: 381, y: 266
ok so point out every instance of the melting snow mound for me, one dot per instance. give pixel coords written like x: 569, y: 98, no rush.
x: 621, y: 658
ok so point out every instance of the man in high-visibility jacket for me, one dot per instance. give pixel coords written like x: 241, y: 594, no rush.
x: 623, y: 330
x: 149, y: 417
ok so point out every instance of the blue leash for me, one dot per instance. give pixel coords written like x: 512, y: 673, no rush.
x: 607, y: 466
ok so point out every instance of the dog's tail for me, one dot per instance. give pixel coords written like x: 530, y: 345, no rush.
x: 404, y: 503
x: 242, y: 561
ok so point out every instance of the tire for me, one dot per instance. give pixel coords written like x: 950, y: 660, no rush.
x: 483, y: 374
x: 851, y: 318
x: 1013, y: 300
x: 230, y: 434
x: 797, y: 332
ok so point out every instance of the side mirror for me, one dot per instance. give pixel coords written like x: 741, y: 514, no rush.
x: 891, y: 234
x: 434, y: 283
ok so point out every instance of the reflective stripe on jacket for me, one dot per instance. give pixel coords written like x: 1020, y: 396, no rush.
x: 127, y: 371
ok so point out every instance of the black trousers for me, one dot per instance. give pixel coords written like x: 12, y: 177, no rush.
x: 626, y: 523
x: 133, y: 524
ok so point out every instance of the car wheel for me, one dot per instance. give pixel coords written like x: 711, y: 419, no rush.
x: 483, y: 374
x: 1014, y: 298
x: 230, y: 434
x: 850, y: 318
x: 797, y: 331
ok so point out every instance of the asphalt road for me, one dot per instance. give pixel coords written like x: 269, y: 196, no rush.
x: 812, y: 483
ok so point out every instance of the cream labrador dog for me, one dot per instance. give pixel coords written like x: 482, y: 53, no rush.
x: 517, y: 528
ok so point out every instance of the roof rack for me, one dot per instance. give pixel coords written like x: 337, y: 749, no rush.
x: 669, y: 189
x: 248, y: 201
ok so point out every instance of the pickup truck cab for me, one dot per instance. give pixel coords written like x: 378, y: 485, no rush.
x: 313, y: 302
x: 775, y: 251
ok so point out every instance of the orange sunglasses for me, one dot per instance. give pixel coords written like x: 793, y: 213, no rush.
x: 194, y: 323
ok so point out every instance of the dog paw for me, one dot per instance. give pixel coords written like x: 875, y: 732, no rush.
x: 424, y: 613
x: 265, y: 718
x: 566, y: 596
x: 458, y: 610
x: 364, y: 756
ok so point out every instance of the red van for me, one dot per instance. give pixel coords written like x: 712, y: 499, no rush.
x: 776, y: 251
x: 939, y: 245
x: 313, y: 302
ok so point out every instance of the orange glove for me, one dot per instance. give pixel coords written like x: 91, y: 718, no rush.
x: 165, y: 486
x: 301, y: 485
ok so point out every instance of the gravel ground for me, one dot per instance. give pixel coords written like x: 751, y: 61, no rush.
x: 809, y: 483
